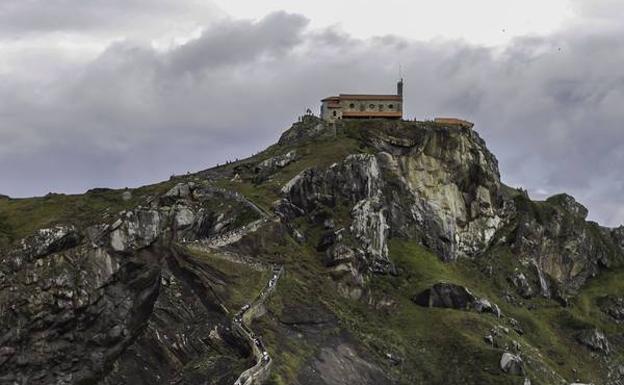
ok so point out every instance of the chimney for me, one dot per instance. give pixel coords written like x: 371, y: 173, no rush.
x: 400, y: 88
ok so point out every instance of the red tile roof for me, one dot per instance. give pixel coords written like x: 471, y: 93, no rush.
x: 370, y: 97
x: 454, y: 121
x: 397, y: 98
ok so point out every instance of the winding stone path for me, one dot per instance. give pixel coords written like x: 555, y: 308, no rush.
x: 260, y: 372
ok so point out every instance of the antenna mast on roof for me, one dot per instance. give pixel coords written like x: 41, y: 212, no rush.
x: 400, y: 82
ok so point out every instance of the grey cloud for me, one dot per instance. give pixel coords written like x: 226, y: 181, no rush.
x: 230, y: 43
x: 20, y: 17
x: 549, y: 107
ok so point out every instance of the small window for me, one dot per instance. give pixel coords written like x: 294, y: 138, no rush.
x: 352, y: 106
x: 390, y: 106
x: 334, y: 113
x: 371, y: 106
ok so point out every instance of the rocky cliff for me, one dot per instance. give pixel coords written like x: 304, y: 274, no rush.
x: 403, y: 259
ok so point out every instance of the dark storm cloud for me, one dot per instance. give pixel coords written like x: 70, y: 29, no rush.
x: 550, y: 107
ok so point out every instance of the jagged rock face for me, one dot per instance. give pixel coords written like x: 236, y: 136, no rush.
x: 559, y: 246
x: 138, y: 229
x: 48, y: 241
x: 186, y: 324
x: 356, y: 180
x: 441, y: 186
x: 72, y: 304
x: 68, y: 315
x: 452, y: 182
x: 595, y: 340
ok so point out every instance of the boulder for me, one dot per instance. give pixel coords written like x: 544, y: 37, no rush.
x: 483, y: 305
x: 184, y: 217
x: 276, y: 162
x: 126, y: 195
x: 179, y: 191
x: 512, y: 364
x: 446, y: 295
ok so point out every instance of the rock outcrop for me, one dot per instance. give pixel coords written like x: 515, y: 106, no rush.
x: 143, y: 292
x: 595, y: 340
x: 452, y: 296
x: 446, y: 295
x: 512, y: 364
x: 560, y: 248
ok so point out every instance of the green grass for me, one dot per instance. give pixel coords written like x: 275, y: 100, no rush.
x: 243, y: 282
x: 316, y: 153
x: 20, y: 217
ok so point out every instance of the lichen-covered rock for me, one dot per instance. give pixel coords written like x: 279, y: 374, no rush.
x: 452, y: 185
x: 276, y: 162
x: 179, y: 191
x: 370, y: 227
x: 595, y: 340
x: 512, y: 364
x: 138, y: 228
x: 47, y: 241
x: 184, y: 217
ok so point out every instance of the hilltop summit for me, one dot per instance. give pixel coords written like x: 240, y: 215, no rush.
x: 369, y: 251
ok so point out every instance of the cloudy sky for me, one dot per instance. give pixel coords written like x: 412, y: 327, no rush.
x: 126, y: 92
